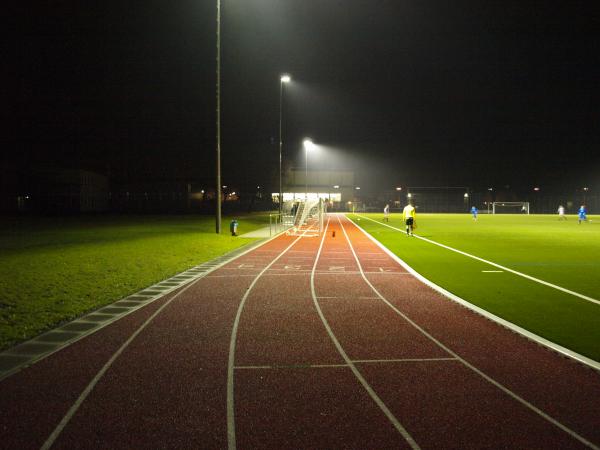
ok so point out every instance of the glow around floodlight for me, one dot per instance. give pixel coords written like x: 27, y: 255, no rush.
x: 308, y: 144
x: 285, y: 78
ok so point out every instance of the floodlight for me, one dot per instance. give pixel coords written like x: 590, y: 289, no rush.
x: 398, y: 188
x: 336, y: 186
x: 308, y: 144
x: 285, y: 78
x: 466, y: 195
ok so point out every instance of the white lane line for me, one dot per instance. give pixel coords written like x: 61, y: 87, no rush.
x: 409, y: 439
x: 488, y: 315
x: 89, y: 388
x: 291, y: 366
x: 472, y: 367
x: 521, y: 274
x: 403, y: 360
x: 231, y: 441
x: 71, y: 412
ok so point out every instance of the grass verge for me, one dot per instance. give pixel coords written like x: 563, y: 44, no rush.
x: 55, y: 269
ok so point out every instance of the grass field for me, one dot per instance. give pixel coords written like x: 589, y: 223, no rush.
x: 55, y: 269
x: 563, y: 253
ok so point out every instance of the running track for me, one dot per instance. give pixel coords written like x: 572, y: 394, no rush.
x: 303, y: 343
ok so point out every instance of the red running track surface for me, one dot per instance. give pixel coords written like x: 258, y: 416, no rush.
x: 310, y: 342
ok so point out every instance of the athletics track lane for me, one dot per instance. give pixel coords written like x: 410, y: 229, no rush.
x: 168, y: 387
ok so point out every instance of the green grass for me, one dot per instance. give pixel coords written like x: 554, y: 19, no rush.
x: 53, y: 270
x: 563, y: 253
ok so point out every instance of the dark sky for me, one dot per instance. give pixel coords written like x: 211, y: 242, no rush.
x: 407, y: 92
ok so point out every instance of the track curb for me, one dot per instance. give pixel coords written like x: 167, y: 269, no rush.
x: 36, y: 349
x: 584, y: 360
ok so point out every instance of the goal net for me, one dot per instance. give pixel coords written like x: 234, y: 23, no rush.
x: 510, y: 208
x: 309, y: 218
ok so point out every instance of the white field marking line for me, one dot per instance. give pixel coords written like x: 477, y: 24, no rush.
x: 291, y: 366
x: 504, y: 389
x: 500, y: 321
x: 493, y: 271
x: 71, y: 412
x: 521, y: 274
x: 402, y: 360
x: 409, y: 439
x: 231, y: 441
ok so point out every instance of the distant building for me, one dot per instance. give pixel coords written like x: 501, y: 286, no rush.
x: 335, y: 186
x: 68, y: 191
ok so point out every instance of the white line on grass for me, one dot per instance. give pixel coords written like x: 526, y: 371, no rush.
x: 511, y: 326
x: 521, y: 274
x: 500, y: 386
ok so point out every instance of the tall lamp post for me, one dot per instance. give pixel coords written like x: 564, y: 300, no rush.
x: 308, y: 146
x: 283, y: 79
x: 218, y: 186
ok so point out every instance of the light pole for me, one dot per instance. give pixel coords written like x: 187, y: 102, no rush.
x: 218, y: 186
x: 308, y: 145
x: 283, y: 79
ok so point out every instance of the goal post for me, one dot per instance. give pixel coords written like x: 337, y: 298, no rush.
x: 309, y: 218
x: 510, y: 207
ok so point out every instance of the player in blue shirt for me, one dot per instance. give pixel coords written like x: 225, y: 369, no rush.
x: 582, y: 213
x: 474, y: 212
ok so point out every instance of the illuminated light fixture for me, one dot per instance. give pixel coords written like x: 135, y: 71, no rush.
x: 202, y: 191
x: 490, y: 189
x: 409, y: 195
x: 224, y: 187
x: 466, y: 195
x: 336, y: 186
x: 585, y: 189
x: 536, y: 188
x: 285, y: 78
x: 398, y: 188
x: 357, y: 188
x: 308, y: 144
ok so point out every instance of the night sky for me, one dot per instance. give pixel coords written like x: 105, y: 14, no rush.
x: 406, y: 92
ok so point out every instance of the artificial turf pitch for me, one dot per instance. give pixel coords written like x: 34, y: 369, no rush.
x: 564, y: 253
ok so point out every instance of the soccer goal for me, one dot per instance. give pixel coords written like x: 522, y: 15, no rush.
x: 510, y: 208
x: 309, y: 218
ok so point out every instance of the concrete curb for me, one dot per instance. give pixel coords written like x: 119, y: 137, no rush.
x: 29, y: 352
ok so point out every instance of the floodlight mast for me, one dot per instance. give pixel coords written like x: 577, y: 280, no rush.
x: 308, y: 145
x: 283, y: 79
x: 218, y: 186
